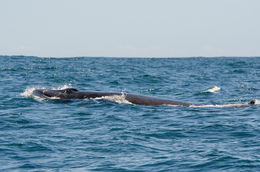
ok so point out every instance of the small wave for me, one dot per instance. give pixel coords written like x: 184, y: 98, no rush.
x: 212, y: 90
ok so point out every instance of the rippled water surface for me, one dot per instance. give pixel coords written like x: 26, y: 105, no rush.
x: 102, y: 135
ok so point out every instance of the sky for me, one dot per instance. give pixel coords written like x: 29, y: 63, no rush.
x: 130, y: 28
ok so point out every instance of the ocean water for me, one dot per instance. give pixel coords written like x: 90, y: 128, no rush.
x: 111, y: 135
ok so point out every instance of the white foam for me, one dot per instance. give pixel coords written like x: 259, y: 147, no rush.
x: 212, y: 90
x: 120, y: 99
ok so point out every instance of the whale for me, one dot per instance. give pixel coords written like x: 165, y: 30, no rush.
x: 72, y: 93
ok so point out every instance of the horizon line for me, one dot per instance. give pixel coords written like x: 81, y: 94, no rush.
x: 129, y: 56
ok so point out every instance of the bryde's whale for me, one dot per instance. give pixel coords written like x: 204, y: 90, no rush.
x: 72, y: 93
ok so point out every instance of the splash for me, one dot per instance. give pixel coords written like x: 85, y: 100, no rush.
x: 212, y: 90
x: 257, y: 102
x: 29, y: 92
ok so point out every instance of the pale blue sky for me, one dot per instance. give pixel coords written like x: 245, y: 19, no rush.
x: 130, y: 28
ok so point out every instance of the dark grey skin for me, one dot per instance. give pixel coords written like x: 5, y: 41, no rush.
x: 72, y: 93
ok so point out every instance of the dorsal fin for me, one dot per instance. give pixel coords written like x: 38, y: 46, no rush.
x: 70, y: 90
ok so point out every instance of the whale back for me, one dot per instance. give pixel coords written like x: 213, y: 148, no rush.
x: 72, y: 93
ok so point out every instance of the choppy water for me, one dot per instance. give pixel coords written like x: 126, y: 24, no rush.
x: 102, y: 135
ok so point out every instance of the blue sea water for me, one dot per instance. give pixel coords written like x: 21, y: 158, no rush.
x: 103, y: 135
